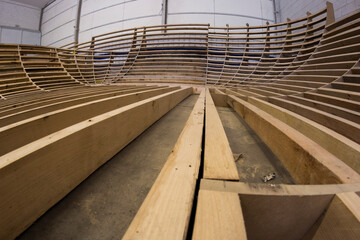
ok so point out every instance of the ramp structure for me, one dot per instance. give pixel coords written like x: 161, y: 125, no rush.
x: 66, y: 111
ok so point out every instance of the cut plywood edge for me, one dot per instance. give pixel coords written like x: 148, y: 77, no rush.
x: 166, y: 210
x: 342, y: 218
x: 270, y: 210
x: 218, y: 216
x: 218, y: 159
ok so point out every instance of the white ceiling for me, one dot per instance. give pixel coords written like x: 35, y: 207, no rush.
x: 34, y: 3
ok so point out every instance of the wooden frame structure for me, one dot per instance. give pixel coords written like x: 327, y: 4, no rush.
x: 296, y: 84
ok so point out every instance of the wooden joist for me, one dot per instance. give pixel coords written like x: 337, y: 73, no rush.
x: 336, y: 144
x: 165, y: 212
x: 218, y: 158
x: 36, y: 176
x: 306, y: 161
x: 21, y: 133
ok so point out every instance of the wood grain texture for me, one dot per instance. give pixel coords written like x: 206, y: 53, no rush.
x: 218, y: 216
x: 340, y: 146
x: 281, y: 217
x: 218, y: 159
x: 36, y: 176
x: 307, y: 161
x: 342, y: 218
x: 165, y: 212
x: 21, y: 133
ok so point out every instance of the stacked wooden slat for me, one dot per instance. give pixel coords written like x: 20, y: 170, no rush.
x: 44, y: 68
x: 13, y: 77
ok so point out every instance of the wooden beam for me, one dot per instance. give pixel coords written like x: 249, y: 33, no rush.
x: 219, y: 216
x: 306, y: 161
x: 37, y: 110
x: 36, y: 176
x: 219, y: 98
x: 21, y: 133
x: 343, y: 126
x: 261, y: 189
x: 218, y: 159
x: 338, y: 145
x: 166, y: 210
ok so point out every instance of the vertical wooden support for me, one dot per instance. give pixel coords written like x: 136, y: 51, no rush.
x: 226, y: 54
x: 330, y: 18
x: 207, y: 55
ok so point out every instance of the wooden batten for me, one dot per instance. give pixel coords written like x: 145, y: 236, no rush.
x: 165, y: 212
x: 219, y: 216
x: 218, y: 158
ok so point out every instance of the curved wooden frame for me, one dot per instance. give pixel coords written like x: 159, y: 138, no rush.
x: 298, y: 82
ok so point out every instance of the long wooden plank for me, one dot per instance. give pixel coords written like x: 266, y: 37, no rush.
x: 306, y: 161
x: 31, y: 112
x: 218, y: 159
x: 219, y: 216
x: 277, y: 189
x: 36, y: 176
x: 166, y: 210
x: 340, y: 146
x: 343, y: 126
x: 22, y: 132
x: 21, y: 106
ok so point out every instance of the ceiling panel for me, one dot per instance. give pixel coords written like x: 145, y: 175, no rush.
x: 34, y: 3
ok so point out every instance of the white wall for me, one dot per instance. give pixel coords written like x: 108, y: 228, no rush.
x: 14, y: 14
x: 98, y: 17
x: 295, y: 9
x: 19, y: 36
x: 218, y: 13
x: 107, y: 16
x: 19, y: 23
x: 58, y: 23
